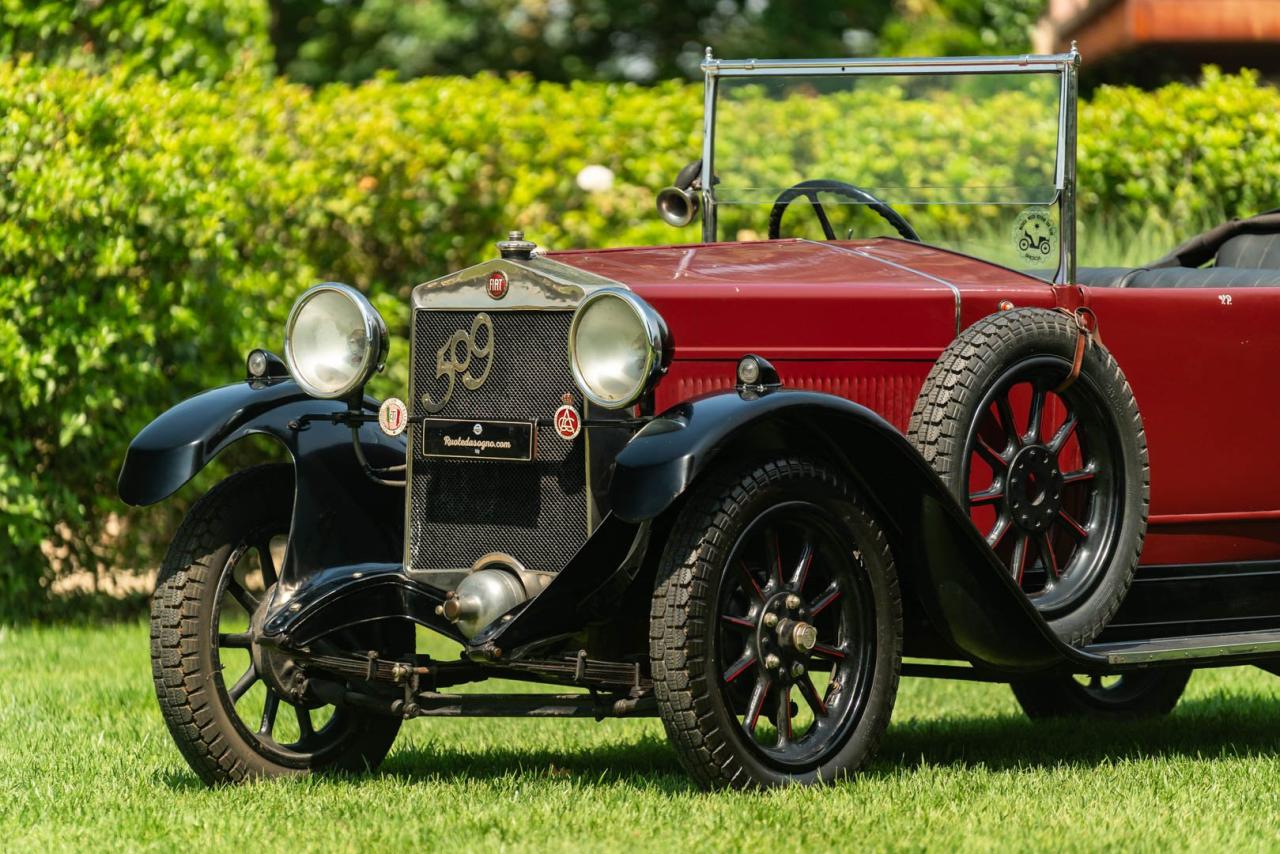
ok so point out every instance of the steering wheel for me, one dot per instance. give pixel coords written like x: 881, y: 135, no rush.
x: 810, y: 190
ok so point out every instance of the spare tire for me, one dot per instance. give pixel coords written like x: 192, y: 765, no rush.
x: 1056, y: 478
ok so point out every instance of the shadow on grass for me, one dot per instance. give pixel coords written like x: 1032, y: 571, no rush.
x: 1218, y: 726
x: 647, y: 763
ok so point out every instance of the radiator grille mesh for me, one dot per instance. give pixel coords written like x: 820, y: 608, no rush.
x: 461, y: 510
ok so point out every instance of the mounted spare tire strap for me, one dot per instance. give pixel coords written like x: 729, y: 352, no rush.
x: 1086, y: 331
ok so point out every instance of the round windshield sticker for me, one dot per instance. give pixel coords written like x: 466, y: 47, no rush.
x: 1035, y: 236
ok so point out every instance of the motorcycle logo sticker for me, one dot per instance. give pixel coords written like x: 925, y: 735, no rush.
x: 497, y: 285
x: 568, y: 422
x: 393, y: 416
x: 1035, y: 236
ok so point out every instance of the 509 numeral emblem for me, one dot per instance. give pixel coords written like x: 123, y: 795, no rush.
x: 454, y: 361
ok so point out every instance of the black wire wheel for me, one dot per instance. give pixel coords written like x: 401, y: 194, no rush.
x: 1053, y: 474
x: 776, y: 628
x: 225, y: 700
x: 1115, y: 697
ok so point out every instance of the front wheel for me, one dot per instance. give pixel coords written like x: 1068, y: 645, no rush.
x: 225, y: 717
x: 776, y: 628
x: 1125, y: 696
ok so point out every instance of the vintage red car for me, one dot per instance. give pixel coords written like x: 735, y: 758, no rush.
x: 745, y: 485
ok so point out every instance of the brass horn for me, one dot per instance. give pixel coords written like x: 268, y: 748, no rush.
x: 679, y: 203
x: 678, y: 207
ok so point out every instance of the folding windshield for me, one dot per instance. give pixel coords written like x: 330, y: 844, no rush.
x: 975, y: 155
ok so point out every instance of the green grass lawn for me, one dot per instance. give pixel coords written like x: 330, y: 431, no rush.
x: 85, y: 762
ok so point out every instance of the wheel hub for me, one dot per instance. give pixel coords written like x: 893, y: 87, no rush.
x: 277, y: 668
x: 1034, y: 491
x: 783, y: 638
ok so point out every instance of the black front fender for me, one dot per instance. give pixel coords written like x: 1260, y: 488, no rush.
x: 966, y: 592
x: 340, y: 516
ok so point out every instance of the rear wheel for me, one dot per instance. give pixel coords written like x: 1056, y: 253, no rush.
x: 230, y: 721
x: 1137, y: 694
x: 776, y: 629
x: 1055, y: 478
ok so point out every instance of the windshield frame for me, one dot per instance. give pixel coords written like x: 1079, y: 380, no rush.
x: 1065, y: 65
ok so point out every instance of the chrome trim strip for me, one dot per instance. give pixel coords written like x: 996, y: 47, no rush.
x: 1188, y: 648
x: 1024, y: 64
x: 1067, y: 169
x: 955, y: 291
x: 707, y: 180
x: 538, y: 284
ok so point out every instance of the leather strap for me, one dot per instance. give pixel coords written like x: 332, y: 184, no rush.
x: 1086, y: 323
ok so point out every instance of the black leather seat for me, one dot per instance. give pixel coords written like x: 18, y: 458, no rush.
x: 1251, y: 251
x: 1242, y: 260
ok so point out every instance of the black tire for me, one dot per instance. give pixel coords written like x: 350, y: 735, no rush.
x: 1128, y: 696
x: 1077, y: 499
x: 198, y: 577
x: 804, y: 504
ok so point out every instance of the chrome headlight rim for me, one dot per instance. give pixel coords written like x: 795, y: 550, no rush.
x: 375, y: 333
x: 656, y: 341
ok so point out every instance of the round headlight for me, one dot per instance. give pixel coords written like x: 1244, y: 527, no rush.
x: 334, y: 341
x: 616, y: 347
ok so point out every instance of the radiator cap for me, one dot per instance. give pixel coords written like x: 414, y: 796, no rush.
x: 516, y: 247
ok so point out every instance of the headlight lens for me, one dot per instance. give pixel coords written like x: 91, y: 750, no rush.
x: 334, y: 341
x: 617, y: 344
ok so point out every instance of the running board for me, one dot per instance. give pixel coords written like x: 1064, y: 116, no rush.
x: 1193, y: 650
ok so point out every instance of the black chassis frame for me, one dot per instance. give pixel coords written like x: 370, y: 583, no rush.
x: 343, y: 565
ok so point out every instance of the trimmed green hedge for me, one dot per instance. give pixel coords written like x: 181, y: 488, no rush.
x: 151, y: 232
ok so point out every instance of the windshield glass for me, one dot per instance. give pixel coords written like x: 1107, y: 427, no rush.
x: 970, y: 161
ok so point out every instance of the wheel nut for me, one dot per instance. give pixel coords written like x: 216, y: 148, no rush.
x: 770, y: 620
x: 771, y: 661
x: 797, y: 669
x: 793, y: 601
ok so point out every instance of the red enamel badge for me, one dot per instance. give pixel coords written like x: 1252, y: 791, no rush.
x: 568, y: 422
x: 497, y: 285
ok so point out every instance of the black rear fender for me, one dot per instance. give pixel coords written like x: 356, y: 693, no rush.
x: 962, y: 589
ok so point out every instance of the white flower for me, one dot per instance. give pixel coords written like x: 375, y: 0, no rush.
x: 595, y: 178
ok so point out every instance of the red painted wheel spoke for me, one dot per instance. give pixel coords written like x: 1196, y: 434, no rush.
x: 1072, y: 525
x: 776, y: 551
x: 749, y: 581
x: 1059, y: 440
x: 1007, y: 422
x: 1078, y: 477
x: 739, y: 667
x: 810, y: 693
x: 1035, y: 415
x: 831, y: 595
x: 783, y: 714
x: 996, y: 537
x: 756, y: 704
x: 830, y: 652
x: 740, y: 622
x: 1019, y: 563
x: 994, y: 495
x: 992, y: 457
x: 801, y: 575
x: 1049, y: 558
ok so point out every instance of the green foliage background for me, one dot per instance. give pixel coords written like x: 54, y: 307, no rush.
x: 153, y: 231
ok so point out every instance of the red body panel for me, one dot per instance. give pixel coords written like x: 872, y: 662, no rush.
x: 867, y: 319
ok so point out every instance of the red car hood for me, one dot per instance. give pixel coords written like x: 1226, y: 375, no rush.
x: 800, y: 299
